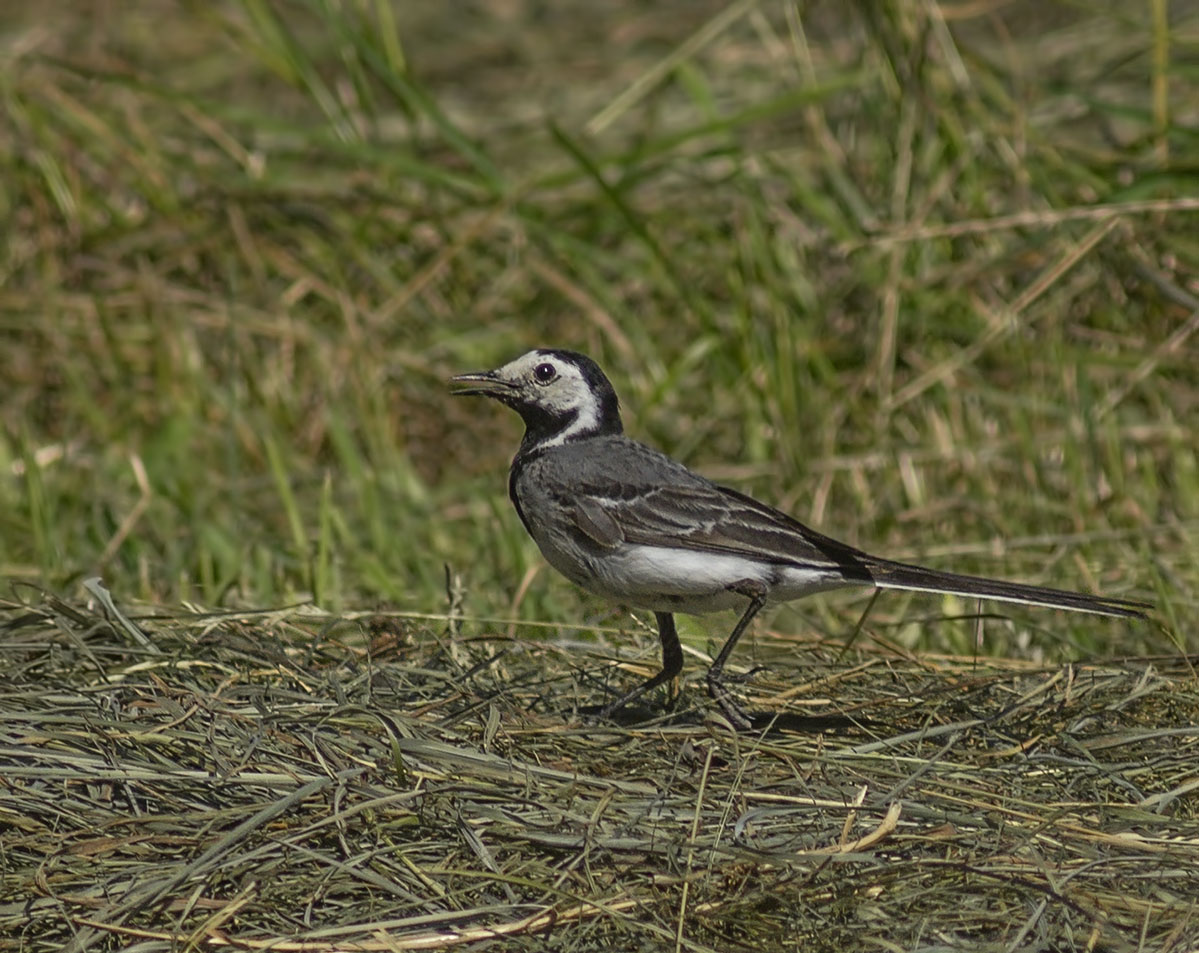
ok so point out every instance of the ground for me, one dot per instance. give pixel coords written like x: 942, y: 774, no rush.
x: 924, y: 275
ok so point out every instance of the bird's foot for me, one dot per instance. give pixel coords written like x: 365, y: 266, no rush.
x: 719, y: 693
x: 621, y: 710
x: 743, y: 677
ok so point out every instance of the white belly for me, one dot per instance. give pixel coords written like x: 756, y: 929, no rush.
x: 666, y: 579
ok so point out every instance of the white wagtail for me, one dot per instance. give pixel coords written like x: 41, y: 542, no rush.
x: 628, y: 523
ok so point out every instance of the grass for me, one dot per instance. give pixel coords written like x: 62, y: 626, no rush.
x: 297, y: 781
x: 927, y: 284
x: 925, y: 276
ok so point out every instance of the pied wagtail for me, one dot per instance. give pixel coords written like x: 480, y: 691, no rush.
x: 628, y: 523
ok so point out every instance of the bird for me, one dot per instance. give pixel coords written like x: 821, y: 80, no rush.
x: 630, y: 524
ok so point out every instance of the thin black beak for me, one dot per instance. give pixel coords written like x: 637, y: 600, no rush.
x: 479, y: 384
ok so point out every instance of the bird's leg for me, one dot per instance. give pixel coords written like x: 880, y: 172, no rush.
x: 717, y: 690
x: 672, y: 664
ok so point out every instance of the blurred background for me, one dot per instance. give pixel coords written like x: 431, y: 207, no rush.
x: 924, y: 274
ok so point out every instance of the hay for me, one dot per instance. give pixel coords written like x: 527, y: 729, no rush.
x: 290, y: 781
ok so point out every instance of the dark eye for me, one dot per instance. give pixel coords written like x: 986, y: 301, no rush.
x: 544, y: 373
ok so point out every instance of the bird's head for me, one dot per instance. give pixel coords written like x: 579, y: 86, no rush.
x: 560, y: 395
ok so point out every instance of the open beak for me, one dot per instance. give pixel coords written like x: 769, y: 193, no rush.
x: 480, y: 384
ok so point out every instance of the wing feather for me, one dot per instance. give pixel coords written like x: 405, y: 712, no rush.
x: 709, y: 518
x: 615, y: 490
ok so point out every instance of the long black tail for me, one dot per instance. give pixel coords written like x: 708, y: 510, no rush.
x: 892, y: 575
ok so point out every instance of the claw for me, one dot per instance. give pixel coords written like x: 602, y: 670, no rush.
x: 720, y: 694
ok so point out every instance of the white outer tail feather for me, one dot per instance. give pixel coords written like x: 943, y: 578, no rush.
x: 891, y: 575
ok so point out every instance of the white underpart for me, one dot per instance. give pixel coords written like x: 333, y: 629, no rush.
x: 668, y: 579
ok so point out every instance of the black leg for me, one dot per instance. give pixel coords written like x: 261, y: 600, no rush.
x: 672, y: 664
x: 717, y: 689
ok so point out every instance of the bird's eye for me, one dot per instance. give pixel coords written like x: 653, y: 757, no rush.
x: 544, y: 373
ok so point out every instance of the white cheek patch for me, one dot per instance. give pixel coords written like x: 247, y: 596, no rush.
x: 574, y: 397
x: 586, y: 421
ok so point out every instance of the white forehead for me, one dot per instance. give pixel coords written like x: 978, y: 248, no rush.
x: 523, y: 366
x: 572, y: 402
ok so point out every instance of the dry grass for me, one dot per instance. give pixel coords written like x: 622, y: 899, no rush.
x: 922, y: 274
x: 925, y: 274
x: 294, y: 781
